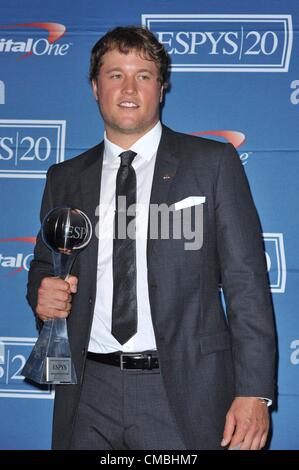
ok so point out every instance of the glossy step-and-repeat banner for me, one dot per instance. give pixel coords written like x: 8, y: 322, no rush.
x: 235, y: 77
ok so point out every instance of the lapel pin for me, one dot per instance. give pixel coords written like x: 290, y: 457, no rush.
x: 166, y: 177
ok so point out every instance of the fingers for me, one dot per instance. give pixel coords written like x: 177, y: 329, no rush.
x: 255, y: 438
x: 238, y: 438
x: 229, y: 428
x: 264, y: 439
x: 73, y: 283
x: 251, y: 440
x: 55, y: 297
x: 251, y: 424
x: 255, y: 443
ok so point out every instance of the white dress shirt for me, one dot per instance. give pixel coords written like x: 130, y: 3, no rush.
x: 101, y: 339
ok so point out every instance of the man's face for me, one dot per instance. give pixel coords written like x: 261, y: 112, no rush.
x: 129, y: 93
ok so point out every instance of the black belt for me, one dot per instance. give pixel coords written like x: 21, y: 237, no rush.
x: 140, y: 361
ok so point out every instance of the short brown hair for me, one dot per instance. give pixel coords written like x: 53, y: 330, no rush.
x: 126, y: 39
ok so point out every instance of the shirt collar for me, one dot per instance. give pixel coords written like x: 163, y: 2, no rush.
x: 146, y: 146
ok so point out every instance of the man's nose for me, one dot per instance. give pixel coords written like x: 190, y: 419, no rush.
x: 130, y: 86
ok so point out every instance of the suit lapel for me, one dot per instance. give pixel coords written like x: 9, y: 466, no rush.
x: 90, y: 186
x: 167, y: 161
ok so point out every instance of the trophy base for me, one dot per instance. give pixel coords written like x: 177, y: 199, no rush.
x: 50, y: 360
x: 58, y: 370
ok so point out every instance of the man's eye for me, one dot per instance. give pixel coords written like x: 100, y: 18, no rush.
x: 116, y: 76
x: 143, y: 77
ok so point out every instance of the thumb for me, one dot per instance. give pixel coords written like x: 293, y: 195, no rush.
x: 73, y: 283
x: 228, y: 430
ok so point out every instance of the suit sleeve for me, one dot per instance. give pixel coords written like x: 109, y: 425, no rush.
x: 244, y: 280
x: 41, y: 265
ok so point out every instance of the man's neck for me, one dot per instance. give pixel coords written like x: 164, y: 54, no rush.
x: 125, y: 141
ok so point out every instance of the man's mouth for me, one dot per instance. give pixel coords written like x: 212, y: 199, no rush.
x: 128, y: 104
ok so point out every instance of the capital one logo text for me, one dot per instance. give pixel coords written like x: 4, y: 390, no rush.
x: 227, y: 43
x: 31, y: 45
x: 15, y: 255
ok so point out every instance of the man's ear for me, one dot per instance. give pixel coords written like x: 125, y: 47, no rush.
x: 95, y: 89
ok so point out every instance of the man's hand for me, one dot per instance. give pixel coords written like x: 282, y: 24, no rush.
x: 55, y: 297
x: 247, y: 424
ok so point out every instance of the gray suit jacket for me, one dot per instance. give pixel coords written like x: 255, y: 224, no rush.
x: 206, y: 357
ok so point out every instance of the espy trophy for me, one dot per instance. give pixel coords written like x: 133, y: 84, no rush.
x: 65, y: 231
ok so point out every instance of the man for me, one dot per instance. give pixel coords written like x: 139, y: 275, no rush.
x: 159, y: 364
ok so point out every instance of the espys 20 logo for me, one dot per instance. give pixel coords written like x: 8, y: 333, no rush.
x: 224, y: 43
x: 29, y: 147
x: 33, y: 46
x: 14, y: 352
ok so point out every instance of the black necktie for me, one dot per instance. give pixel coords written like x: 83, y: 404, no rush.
x: 124, y: 307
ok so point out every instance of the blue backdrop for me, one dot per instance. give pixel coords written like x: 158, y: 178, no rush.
x: 235, y: 77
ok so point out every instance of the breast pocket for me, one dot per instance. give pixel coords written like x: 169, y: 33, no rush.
x: 187, y: 225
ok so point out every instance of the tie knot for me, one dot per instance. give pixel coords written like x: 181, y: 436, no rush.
x: 127, y: 157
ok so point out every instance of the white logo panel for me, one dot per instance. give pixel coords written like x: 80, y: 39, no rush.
x: 29, y: 147
x: 224, y: 43
x: 276, y: 261
x: 14, y: 353
x: 2, y: 92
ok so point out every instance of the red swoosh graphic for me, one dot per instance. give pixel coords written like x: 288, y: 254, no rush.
x: 55, y: 31
x: 15, y: 271
x: 233, y: 137
x: 19, y: 239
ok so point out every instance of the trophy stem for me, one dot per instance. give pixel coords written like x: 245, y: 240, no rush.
x: 62, y: 263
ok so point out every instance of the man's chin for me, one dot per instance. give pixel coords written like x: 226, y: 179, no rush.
x: 129, y: 130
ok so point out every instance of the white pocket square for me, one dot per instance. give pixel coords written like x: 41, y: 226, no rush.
x: 189, y: 202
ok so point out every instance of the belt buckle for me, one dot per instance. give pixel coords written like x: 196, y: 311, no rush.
x: 123, y: 362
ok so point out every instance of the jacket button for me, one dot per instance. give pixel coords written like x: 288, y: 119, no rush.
x: 83, y: 352
x: 90, y: 300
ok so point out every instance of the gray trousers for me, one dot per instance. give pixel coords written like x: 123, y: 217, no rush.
x: 121, y: 410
